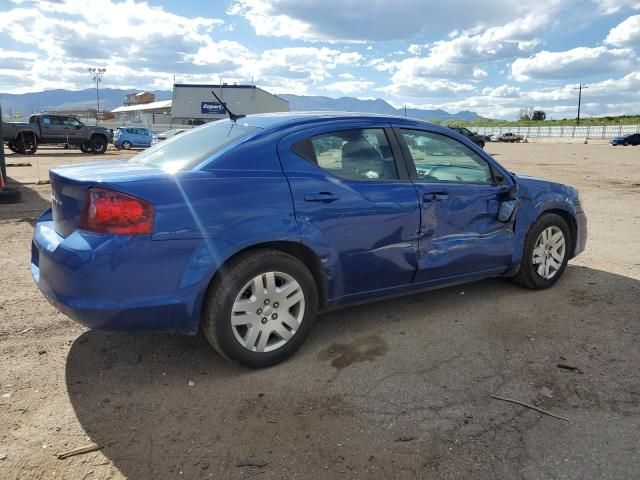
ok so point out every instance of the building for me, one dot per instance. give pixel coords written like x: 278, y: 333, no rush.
x: 139, y: 98
x: 146, y: 113
x: 193, y: 103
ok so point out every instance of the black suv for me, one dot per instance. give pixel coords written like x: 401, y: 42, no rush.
x: 474, y: 137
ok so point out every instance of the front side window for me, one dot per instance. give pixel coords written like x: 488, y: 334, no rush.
x: 71, y: 122
x: 439, y: 158
x: 359, y: 154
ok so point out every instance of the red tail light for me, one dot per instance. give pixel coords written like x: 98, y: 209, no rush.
x: 116, y: 213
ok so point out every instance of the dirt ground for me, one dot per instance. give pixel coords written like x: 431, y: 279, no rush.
x: 396, y: 389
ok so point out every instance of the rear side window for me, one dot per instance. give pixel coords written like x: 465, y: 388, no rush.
x: 188, y: 150
x: 359, y: 154
x: 439, y: 158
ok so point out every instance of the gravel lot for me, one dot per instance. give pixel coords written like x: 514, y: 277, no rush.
x: 397, y: 389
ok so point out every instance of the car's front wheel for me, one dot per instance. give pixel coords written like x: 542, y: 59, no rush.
x: 260, y: 308
x: 126, y: 145
x: 546, y: 253
x: 99, y: 145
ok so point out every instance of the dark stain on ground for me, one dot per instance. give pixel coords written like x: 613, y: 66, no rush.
x: 363, y: 349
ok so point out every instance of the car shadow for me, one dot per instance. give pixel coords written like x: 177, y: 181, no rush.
x: 30, y: 206
x: 166, y: 405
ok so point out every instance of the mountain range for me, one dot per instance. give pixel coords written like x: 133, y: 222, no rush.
x: 111, y: 98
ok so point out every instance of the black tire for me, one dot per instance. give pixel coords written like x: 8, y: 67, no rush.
x: 216, y: 321
x: 86, y: 148
x: 12, y: 147
x: 527, y: 275
x: 626, y: 143
x: 26, y: 144
x: 99, y: 145
x: 10, y: 195
x: 480, y: 144
x: 126, y: 145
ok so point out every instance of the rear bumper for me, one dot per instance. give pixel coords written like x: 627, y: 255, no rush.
x: 121, y: 282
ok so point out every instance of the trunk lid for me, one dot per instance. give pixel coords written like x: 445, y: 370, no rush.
x: 69, y: 185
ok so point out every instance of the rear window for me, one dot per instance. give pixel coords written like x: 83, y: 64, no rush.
x: 191, y: 148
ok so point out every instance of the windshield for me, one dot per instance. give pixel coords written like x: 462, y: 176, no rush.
x: 191, y: 148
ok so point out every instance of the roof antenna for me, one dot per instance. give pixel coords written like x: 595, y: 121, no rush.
x: 232, y: 116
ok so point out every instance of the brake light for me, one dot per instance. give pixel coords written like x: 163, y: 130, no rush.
x: 116, y: 213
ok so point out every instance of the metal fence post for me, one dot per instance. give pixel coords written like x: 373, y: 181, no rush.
x: 3, y: 166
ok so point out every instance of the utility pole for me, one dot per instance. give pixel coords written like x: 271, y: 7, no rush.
x: 97, y: 76
x: 405, y: 109
x: 579, y: 100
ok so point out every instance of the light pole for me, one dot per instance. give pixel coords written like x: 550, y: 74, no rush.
x: 579, y: 100
x: 97, y: 76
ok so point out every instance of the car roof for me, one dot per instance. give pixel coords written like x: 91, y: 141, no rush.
x: 279, y: 120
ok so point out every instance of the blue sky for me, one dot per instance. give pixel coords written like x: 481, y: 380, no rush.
x: 493, y: 57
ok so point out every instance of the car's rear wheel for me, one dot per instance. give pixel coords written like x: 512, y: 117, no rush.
x: 26, y: 144
x: 86, y: 148
x: 126, y: 145
x: 626, y: 143
x: 99, y: 145
x: 260, y: 308
x: 546, y: 253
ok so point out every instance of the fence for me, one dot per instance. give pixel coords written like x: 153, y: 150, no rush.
x: 570, y: 131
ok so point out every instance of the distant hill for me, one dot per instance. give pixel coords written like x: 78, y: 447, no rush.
x: 28, y: 103
x: 111, y: 98
x: 350, y: 104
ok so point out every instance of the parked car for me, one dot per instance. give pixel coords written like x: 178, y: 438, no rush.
x: 132, y: 137
x: 509, y: 137
x: 247, y: 230
x: 626, y: 140
x: 45, y: 128
x: 168, y: 134
x: 473, y: 136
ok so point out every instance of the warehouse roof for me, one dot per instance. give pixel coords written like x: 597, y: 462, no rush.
x: 162, y: 104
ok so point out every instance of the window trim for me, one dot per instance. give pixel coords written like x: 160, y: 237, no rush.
x: 396, y: 153
x: 411, y: 165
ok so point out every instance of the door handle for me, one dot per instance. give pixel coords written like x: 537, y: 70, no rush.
x: 324, y: 197
x: 431, y: 196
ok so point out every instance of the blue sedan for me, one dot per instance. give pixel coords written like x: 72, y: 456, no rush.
x: 246, y: 229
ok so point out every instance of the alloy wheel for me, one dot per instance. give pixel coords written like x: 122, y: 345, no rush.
x: 549, y: 252
x: 267, y: 312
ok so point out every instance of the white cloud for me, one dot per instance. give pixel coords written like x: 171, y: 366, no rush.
x: 306, y: 64
x: 614, y: 6
x: 502, y: 91
x: 626, y: 34
x: 133, y: 40
x: 362, y: 20
x: 576, y: 63
x: 367, y: 20
x: 615, y: 96
x: 449, y: 65
x: 143, y: 47
x: 349, y: 87
x: 413, y: 86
